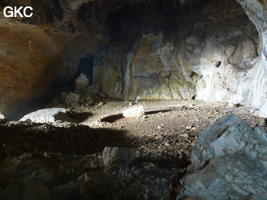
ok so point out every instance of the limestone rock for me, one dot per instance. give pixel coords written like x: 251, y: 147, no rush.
x: 37, y: 56
x: 89, y: 100
x: 2, y: 117
x: 116, y: 158
x: 44, y: 115
x: 228, y: 161
x: 29, y: 63
x: 134, y: 111
x: 72, y: 98
x: 220, y: 67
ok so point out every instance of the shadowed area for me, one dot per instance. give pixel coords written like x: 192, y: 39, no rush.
x: 74, y: 117
x: 68, y: 140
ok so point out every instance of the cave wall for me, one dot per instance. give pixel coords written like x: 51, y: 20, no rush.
x: 257, y: 12
x: 41, y: 54
x: 38, y: 56
x: 202, y: 52
x: 191, y: 49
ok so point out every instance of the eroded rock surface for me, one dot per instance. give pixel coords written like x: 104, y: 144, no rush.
x: 116, y: 158
x: 228, y: 161
x: 209, y: 59
x: 44, y: 115
x: 35, y: 63
x: 164, y: 52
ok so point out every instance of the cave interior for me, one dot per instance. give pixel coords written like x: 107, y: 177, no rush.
x: 138, y: 99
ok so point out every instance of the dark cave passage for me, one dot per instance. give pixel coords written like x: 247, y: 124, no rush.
x: 85, y: 67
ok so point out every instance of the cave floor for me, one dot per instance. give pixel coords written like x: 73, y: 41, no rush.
x: 64, y: 161
x: 169, y: 128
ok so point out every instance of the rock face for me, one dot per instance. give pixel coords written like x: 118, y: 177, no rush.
x: 164, y: 52
x: 210, y: 59
x: 116, y: 158
x: 29, y: 64
x: 34, y: 60
x: 228, y: 161
x: 44, y: 115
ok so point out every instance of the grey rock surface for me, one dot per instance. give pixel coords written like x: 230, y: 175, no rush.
x: 134, y: 111
x: 72, y: 98
x: 116, y: 158
x: 2, y: 117
x: 44, y: 115
x: 229, y: 161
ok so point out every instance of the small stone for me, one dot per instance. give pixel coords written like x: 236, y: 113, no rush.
x: 135, y: 111
x: 72, y: 98
x: 159, y: 127
x: 167, y: 144
x: 89, y: 100
x: 188, y: 127
x: 116, y: 158
x: 185, y: 135
x: 143, y: 117
x: 237, y: 105
x: 100, y: 104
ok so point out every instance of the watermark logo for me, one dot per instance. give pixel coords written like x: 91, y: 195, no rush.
x: 14, y: 11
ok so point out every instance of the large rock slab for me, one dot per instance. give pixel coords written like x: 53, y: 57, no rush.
x: 44, y: 115
x: 229, y: 161
x: 134, y: 111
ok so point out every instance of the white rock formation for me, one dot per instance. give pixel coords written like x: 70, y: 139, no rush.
x: 256, y: 11
x: 229, y: 161
x: 2, y: 117
x: 43, y: 115
x: 226, y: 66
x: 252, y: 88
x: 81, y: 82
x: 134, y: 111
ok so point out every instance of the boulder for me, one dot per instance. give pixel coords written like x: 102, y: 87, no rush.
x: 2, y: 117
x: 72, y: 98
x: 134, y: 111
x: 116, y: 158
x: 229, y: 161
x: 44, y: 115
